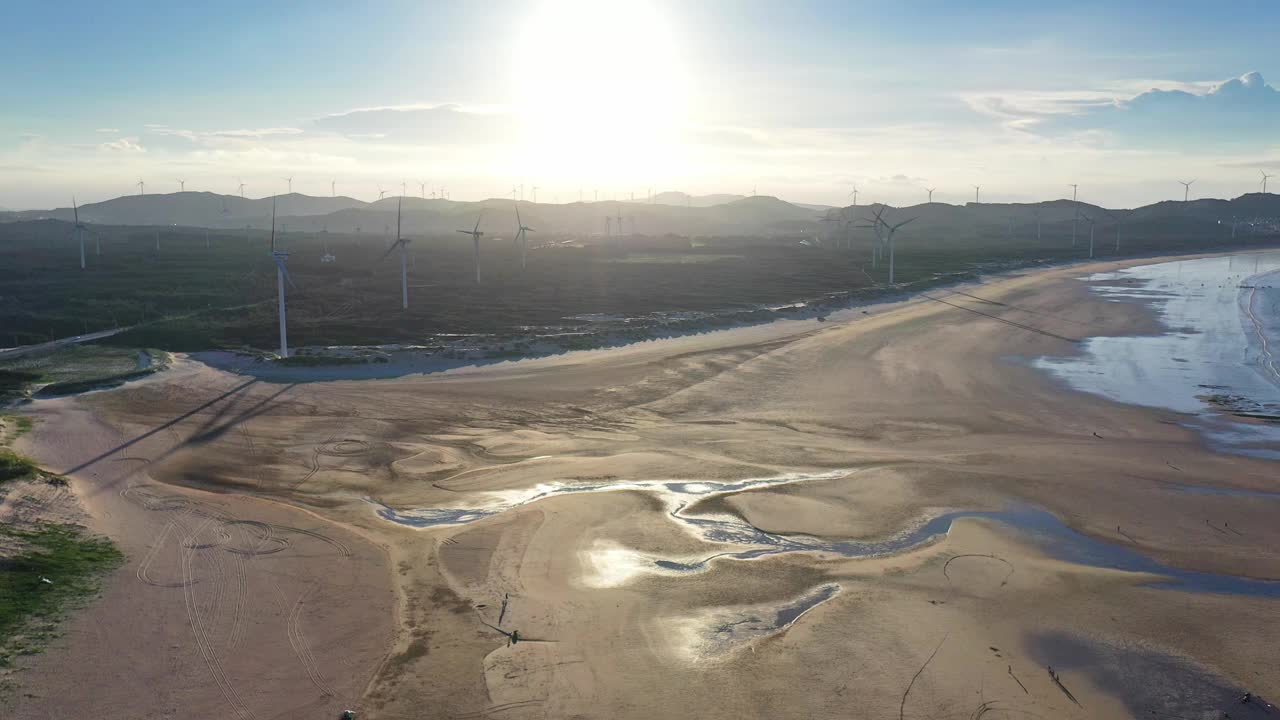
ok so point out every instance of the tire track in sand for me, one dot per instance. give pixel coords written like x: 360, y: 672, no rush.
x: 216, y: 671
x: 301, y: 648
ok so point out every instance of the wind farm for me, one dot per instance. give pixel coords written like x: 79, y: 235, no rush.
x: 736, y: 363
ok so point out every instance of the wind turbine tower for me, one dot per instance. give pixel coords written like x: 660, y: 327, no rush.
x: 522, y: 235
x: 977, y: 194
x: 333, y: 188
x: 282, y: 276
x: 890, y: 230
x: 1075, y: 219
x: 476, y: 233
x: 79, y: 230
x: 402, y: 242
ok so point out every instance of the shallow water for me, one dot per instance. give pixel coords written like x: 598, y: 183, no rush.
x: 1217, y: 362
x: 747, y: 542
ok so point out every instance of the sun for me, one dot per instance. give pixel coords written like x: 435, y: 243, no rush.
x: 601, y: 91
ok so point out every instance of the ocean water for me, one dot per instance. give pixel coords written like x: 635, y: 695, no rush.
x: 1218, y: 362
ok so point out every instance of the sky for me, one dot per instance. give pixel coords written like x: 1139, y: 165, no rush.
x: 804, y: 100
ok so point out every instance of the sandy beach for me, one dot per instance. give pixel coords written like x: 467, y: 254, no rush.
x: 889, y: 514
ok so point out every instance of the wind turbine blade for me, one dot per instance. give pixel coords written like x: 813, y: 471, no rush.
x: 390, y: 250
x: 478, y: 220
x: 518, y: 222
x: 466, y: 232
x: 904, y: 222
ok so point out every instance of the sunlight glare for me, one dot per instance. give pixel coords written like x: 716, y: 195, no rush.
x: 601, y: 91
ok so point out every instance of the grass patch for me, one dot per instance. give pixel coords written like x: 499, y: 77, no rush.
x: 77, y: 368
x: 30, y: 608
x: 15, y: 467
x: 14, y: 426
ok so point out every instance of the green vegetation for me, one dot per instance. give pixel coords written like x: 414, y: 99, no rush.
x: 45, y: 570
x: 15, y: 467
x: 189, y: 297
x: 76, y: 368
x: 15, y: 383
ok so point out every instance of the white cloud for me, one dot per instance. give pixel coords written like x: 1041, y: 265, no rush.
x: 108, y: 131
x: 126, y: 144
x: 1240, y: 111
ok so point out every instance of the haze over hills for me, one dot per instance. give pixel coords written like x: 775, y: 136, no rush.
x: 736, y: 215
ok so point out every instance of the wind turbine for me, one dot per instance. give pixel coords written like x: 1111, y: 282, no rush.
x: 142, y: 188
x: 889, y: 231
x: 381, y: 193
x: 476, y: 233
x: 854, y: 194
x: 535, y: 194
x: 930, y: 191
x: 422, y: 190
x: 1264, y: 180
x: 182, y: 185
x: 289, y: 180
x: 1119, y: 224
x: 402, y: 242
x: 79, y: 229
x: 1075, y: 219
x: 1186, y: 189
x: 1091, y: 228
x: 977, y: 194
x: 282, y: 276
x: 522, y: 235
x: 333, y: 188
x: 241, y: 187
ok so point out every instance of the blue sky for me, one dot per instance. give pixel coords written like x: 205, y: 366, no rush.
x: 801, y: 99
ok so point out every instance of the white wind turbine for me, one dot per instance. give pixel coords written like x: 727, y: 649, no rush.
x: 1075, y: 219
x: 977, y: 194
x: 402, y: 243
x: 182, y: 185
x: 1264, y: 180
x: 890, y: 230
x: 282, y: 276
x: 1186, y: 189
x: 142, y: 187
x: 79, y: 229
x: 522, y: 236
x: 476, y: 233
x: 1091, y: 228
x: 930, y: 191
x: 289, y: 181
x: 241, y: 187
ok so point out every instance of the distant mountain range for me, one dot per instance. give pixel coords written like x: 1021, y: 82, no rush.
x: 667, y: 213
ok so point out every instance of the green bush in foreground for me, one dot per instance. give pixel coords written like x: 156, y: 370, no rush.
x: 15, y: 467
x: 69, y: 560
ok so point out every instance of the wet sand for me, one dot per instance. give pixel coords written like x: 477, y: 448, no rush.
x: 922, y: 523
